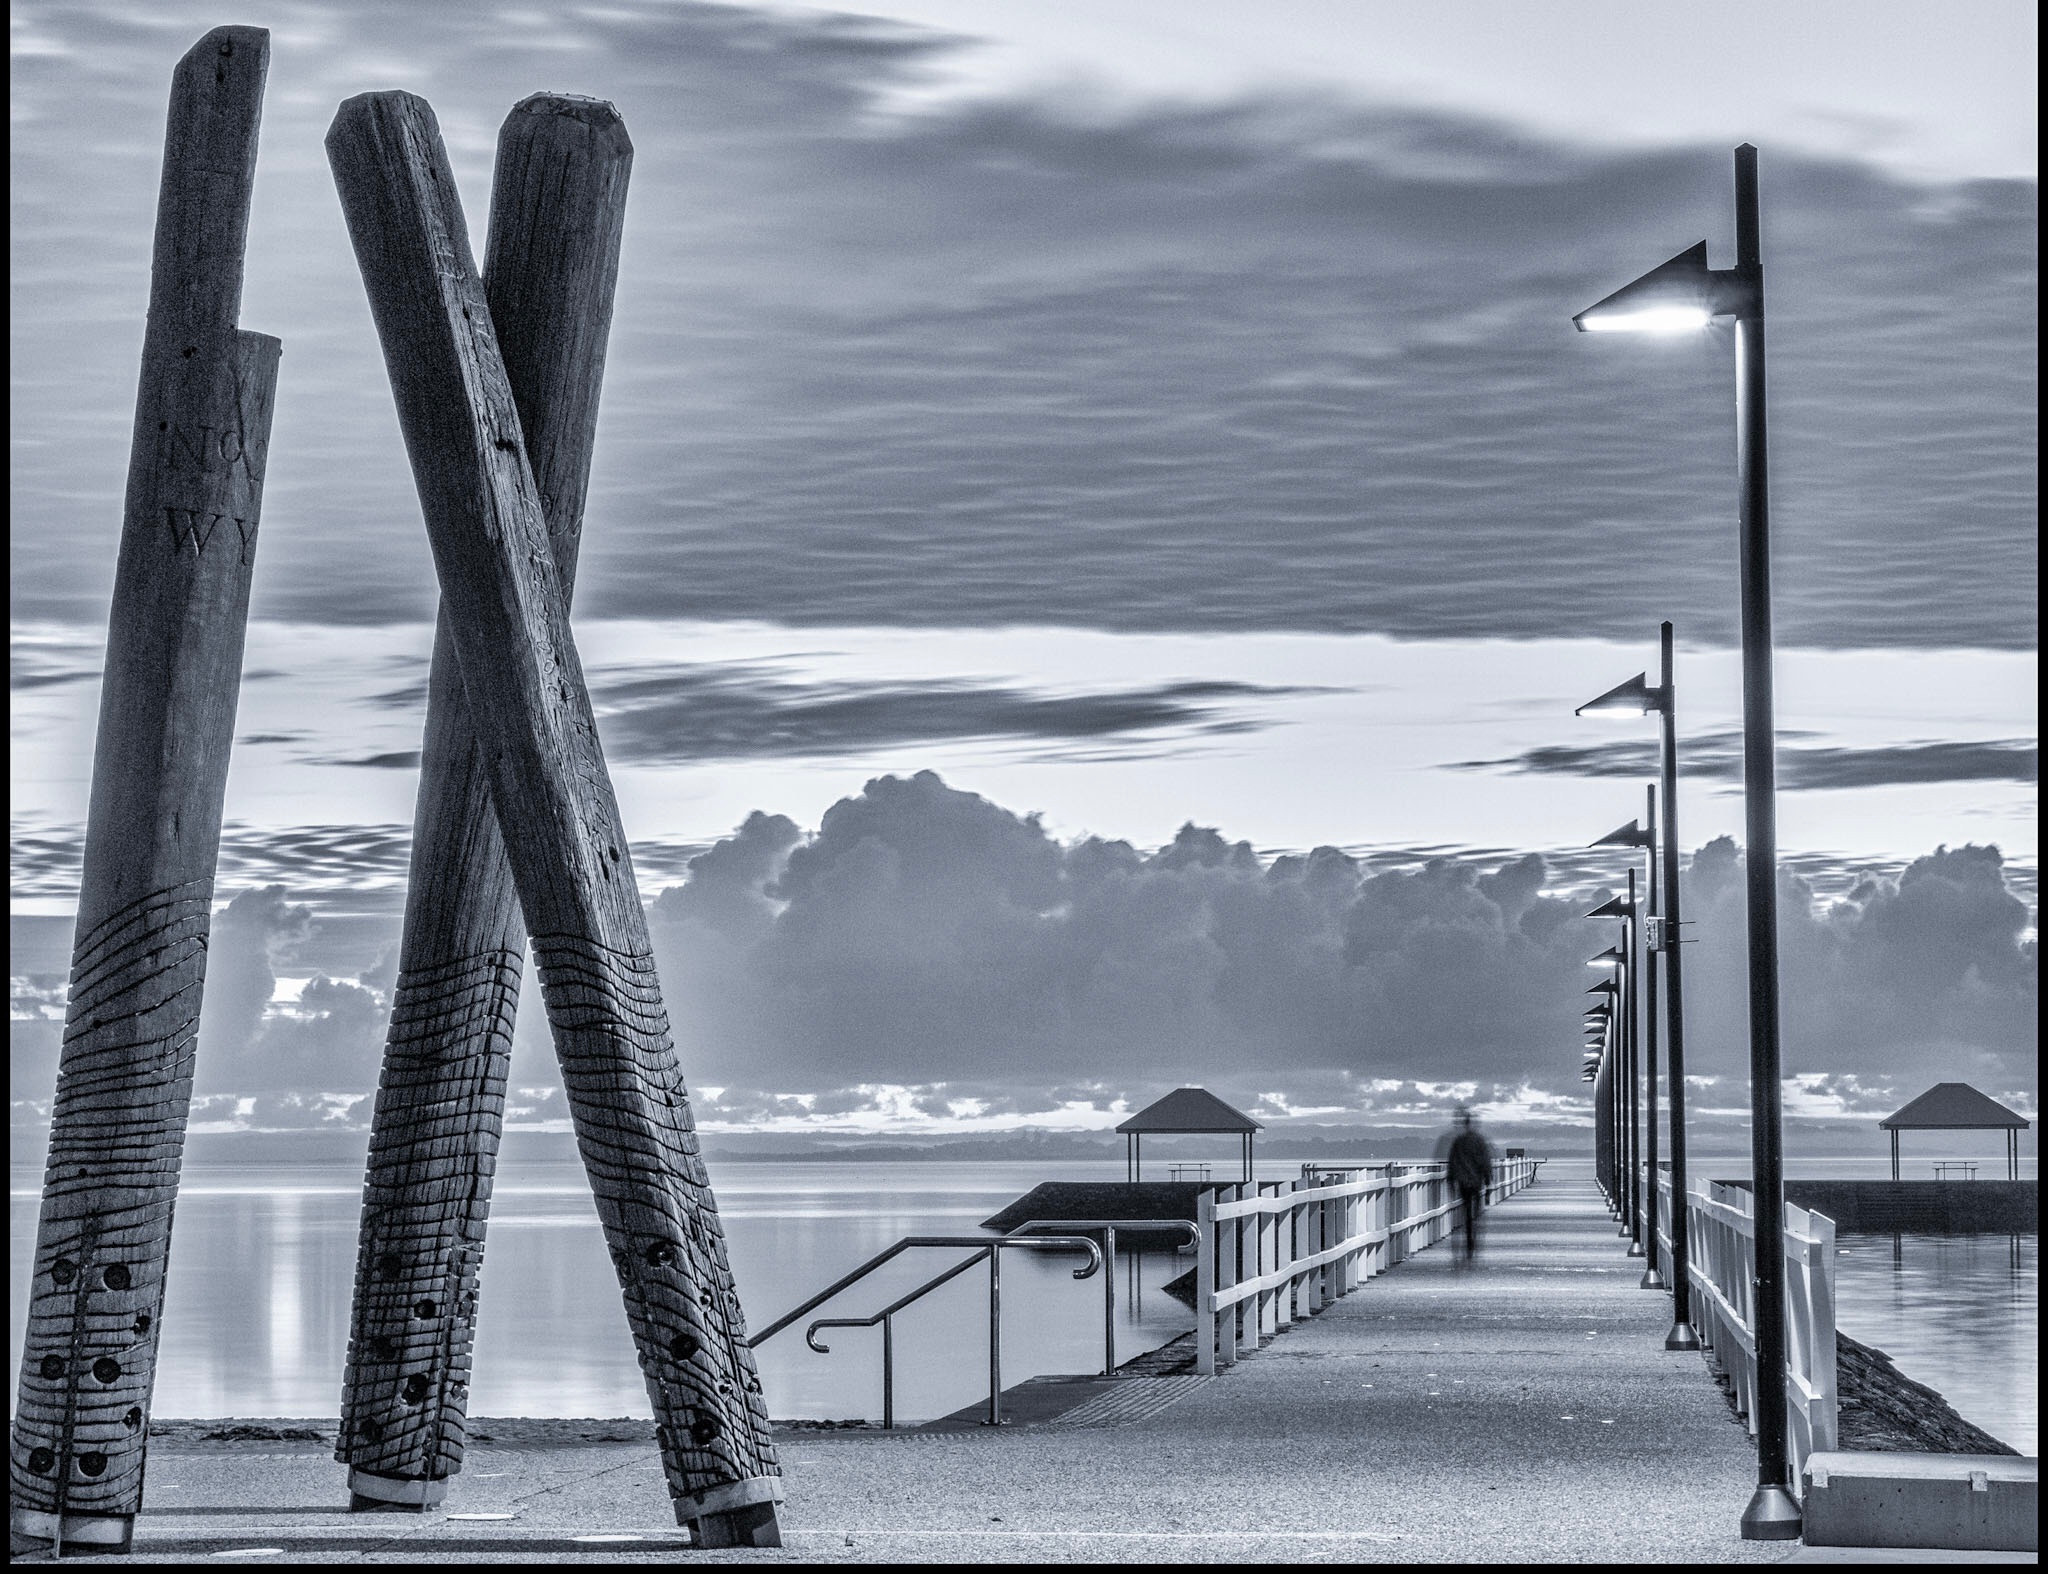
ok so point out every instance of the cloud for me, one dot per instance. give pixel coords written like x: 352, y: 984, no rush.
x: 1717, y: 756
x: 927, y: 938
x: 1284, y: 362
x: 928, y: 955
x: 685, y: 712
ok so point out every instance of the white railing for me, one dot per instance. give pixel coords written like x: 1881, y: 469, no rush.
x: 1271, y: 1253
x: 1721, y: 1226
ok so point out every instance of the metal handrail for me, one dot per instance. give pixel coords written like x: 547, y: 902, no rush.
x: 1109, y: 1227
x: 990, y: 1248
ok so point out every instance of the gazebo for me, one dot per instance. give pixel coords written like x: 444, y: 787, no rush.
x: 1956, y: 1106
x: 1185, y: 1112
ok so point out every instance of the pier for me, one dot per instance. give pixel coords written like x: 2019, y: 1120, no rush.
x: 1520, y: 1409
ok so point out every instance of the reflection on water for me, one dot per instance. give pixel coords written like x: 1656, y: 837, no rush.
x: 256, y: 1314
x: 1960, y: 1313
x: 256, y: 1318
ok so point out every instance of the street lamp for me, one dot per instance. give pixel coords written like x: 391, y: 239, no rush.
x: 1682, y: 295
x: 1623, y: 959
x: 1636, y: 695
x: 1635, y: 834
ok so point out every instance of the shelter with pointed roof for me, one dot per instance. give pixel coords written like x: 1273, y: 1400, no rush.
x: 1185, y: 1111
x: 1956, y: 1106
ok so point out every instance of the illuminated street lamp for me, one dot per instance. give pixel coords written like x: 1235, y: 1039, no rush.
x: 1638, y: 697
x: 1623, y: 959
x: 1681, y: 296
x: 1634, y: 834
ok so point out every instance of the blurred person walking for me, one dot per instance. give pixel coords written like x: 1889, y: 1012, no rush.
x: 1468, y: 1164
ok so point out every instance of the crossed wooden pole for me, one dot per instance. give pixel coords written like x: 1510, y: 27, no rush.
x: 517, y: 834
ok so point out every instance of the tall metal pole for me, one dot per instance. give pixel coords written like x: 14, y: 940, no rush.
x: 1682, y: 1335
x: 1633, y: 1228
x: 1772, y: 1514
x: 1603, y: 1129
x: 1653, y: 1278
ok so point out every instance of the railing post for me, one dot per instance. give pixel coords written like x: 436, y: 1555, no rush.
x: 1109, y: 1300
x: 1821, y: 1279
x: 1286, y: 1251
x: 995, y: 1336
x: 888, y: 1374
x: 1206, y: 1247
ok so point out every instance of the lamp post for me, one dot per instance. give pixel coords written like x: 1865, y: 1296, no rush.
x: 1627, y: 1151
x: 1637, y: 694
x: 1634, y: 834
x: 1606, y: 1132
x: 1678, y: 296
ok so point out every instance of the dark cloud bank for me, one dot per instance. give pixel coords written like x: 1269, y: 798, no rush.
x: 1279, y: 363
x: 928, y: 938
x: 1717, y: 756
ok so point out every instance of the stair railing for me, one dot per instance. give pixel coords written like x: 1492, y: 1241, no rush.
x: 988, y: 1248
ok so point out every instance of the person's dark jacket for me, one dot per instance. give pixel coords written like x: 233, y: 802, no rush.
x: 1471, y: 1162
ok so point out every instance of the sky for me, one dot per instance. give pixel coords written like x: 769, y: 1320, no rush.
x: 1098, y: 526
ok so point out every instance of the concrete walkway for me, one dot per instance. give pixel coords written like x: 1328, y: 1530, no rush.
x: 1523, y: 1410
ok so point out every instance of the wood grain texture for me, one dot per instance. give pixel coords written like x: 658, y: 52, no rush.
x: 503, y: 600
x: 166, y: 724
x: 557, y: 215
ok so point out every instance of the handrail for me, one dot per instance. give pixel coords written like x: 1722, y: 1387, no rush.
x: 1722, y: 1223
x: 1109, y: 1227
x: 990, y: 1249
x: 1288, y: 1250
x: 869, y: 1267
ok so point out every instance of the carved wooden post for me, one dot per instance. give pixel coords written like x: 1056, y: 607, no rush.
x: 558, y: 208
x: 502, y: 599
x: 167, y: 716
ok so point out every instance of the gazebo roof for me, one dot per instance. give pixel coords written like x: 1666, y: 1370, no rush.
x: 1189, y: 1109
x: 1952, y: 1106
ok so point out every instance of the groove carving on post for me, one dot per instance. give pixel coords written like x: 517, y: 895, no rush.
x: 503, y: 601
x: 557, y: 215
x: 166, y: 723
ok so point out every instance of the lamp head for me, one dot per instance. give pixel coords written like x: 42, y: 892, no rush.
x: 1679, y: 296
x: 1629, y: 835
x: 1635, y: 697
x: 1613, y: 956
x: 1614, y: 907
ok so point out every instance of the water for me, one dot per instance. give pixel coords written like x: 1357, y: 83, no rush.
x: 256, y: 1312
x: 1960, y: 1313
x: 256, y: 1316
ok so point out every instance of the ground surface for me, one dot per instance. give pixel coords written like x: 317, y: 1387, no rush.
x: 1521, y: 1410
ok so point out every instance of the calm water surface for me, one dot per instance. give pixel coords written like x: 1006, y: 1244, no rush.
x: 256, y: 1315
x: 1960, y: 1313
x: 256, y: 1312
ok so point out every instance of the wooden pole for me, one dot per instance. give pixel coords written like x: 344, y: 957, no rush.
x: 558, y: 207
x: 166, y: 724
x: 502, y: 599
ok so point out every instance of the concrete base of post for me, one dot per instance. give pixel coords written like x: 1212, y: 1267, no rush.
x: 1652, y: 1279
x: 752, y: 1526
x: 1772, y: 1515
x: 79, y: 1535
x: 1635, y: 1248
x: 371, y: 1493
x: 1681, y: 1337
x: 738, y: 1514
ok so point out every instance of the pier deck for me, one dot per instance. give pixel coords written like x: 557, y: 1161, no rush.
x: 1522, y: 1410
